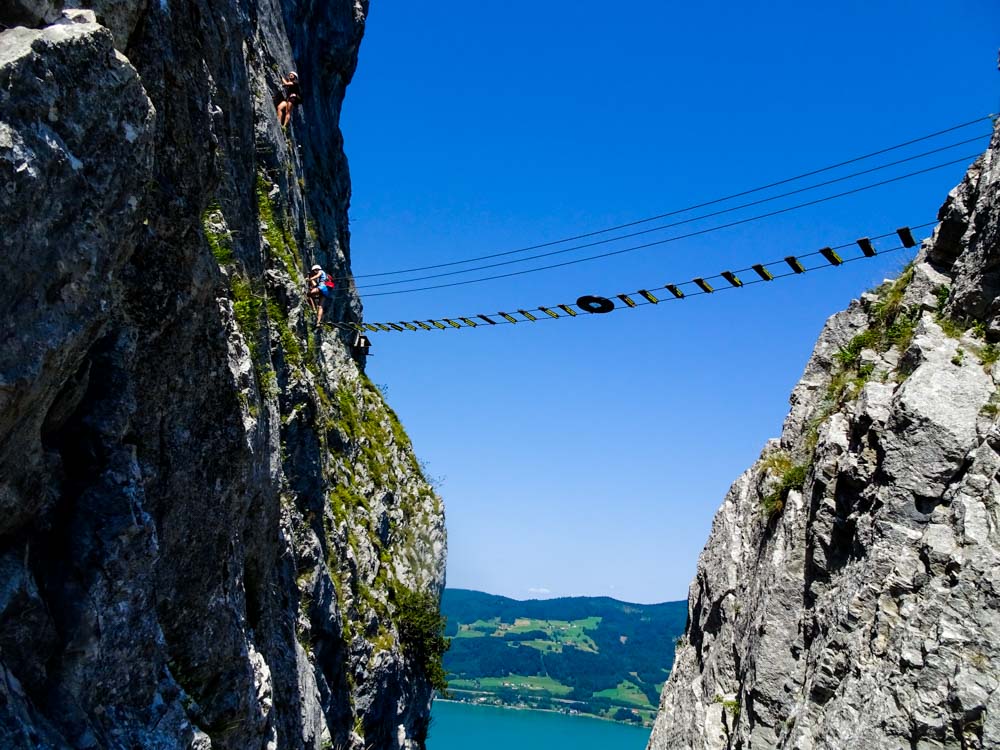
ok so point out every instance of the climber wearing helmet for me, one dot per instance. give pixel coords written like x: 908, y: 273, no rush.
x: 291, y: 85
x: 320, y: 288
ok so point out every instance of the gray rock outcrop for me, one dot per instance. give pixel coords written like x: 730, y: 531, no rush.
x: 849, y: 592
x: 213, y: 530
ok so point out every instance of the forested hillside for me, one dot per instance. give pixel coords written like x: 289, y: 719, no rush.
x: 582, y: 654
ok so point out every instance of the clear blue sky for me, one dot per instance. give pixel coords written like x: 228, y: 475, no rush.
x: 589, y: 456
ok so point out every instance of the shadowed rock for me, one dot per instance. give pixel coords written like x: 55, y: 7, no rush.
x: 207, y: 511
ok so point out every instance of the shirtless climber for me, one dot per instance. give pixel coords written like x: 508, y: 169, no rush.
x: 285, y: 109
x: 291, y: 95
x: 290, y: 85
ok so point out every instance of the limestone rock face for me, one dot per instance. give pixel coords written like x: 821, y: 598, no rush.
x: 68, y: 219
x: 208, y: 514
x: 849, y: 592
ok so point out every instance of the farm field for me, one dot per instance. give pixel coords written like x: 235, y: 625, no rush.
x: 588, y: 655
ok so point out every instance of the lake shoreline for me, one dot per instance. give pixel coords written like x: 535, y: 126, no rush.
x: 456, y: 725
x: 577, y: 715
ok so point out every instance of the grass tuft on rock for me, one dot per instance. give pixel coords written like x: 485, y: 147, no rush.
x: 792, y: 476
x: 731, y: 706
x: 953, y: 327
x: 220, y: 243
x: 277, y: 231
x: 989, y: 355
x: 891, y: 324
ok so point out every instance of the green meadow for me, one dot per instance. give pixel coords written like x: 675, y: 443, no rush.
x: 595, y: 656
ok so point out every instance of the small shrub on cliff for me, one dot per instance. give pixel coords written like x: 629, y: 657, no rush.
x: 941, y: 293
x: 951, y: 327
x: 732, y: 706
x: 896, y: 330
x: 845, y: 386
x: 989, y: 355
x: 850, y: 355
x: 421, y: 631
x: 777, y: 463
x: 247, y: 309
x: 900, y: 331
x: 891, y: 299
x: 267, y: 380
x: 792, y: 478
x: 891, y: 326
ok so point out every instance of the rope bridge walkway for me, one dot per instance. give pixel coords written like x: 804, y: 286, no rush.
x: 791, y: 265
x: 591, y: 304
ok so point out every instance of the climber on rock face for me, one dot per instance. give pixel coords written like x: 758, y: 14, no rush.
x: 285, y: 109
x: 291, y: 94
x: 290, y: 85
x: 320, y: 288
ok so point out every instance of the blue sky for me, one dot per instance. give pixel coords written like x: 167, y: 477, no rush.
x: 588, y: 456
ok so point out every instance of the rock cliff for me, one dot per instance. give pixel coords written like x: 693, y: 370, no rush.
x: 213, y: 531
x: 849, y: 592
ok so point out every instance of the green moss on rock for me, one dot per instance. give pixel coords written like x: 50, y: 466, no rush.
x: 378, y: 467
x: 277, y: 231
x: 248, y: 310
x: 220, y: 243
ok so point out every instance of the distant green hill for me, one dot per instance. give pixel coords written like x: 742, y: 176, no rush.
x: 592, y: 655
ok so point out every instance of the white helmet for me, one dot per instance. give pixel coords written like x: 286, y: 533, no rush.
x: 316, y: 268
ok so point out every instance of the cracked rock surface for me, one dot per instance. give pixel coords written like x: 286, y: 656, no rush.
x: 209, y: 516
x: 849, y: 593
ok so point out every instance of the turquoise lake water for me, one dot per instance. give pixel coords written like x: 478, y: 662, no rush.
x: 456, y: 726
